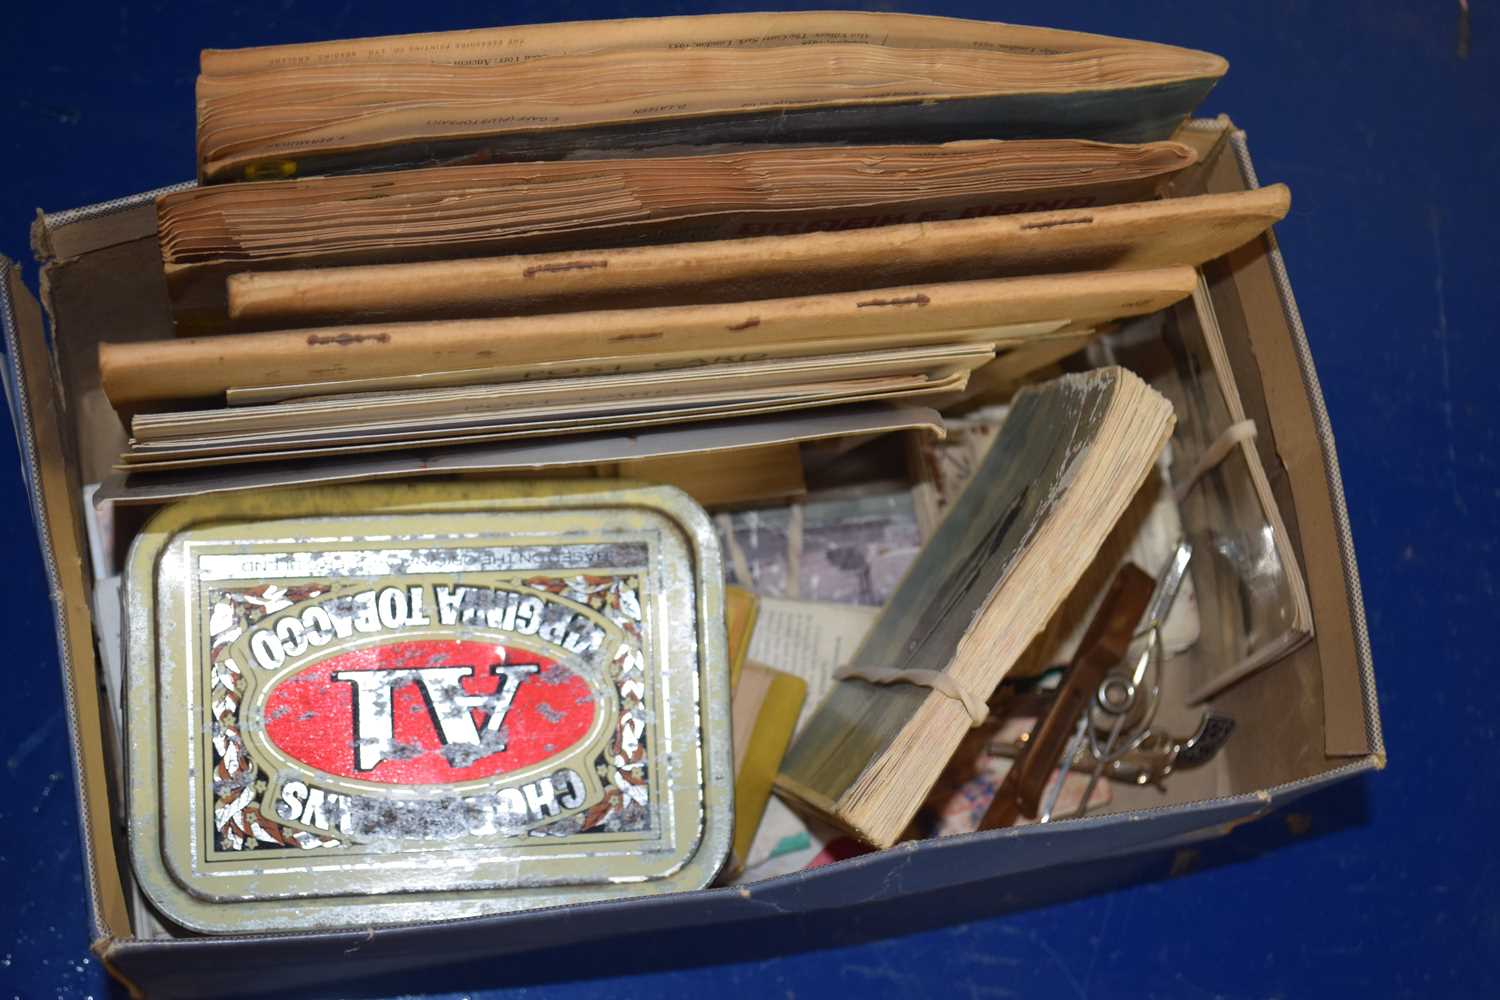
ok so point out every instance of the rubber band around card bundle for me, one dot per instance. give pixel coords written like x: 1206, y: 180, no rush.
x: 936, y: 680
x: 1235, y: 434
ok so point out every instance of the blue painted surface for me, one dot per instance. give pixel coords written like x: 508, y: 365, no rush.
x: 1388, y: 141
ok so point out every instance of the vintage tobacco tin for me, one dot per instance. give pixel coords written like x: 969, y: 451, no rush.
x: 370, y: 705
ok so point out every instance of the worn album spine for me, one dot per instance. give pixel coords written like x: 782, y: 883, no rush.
x: 897, y: 249
x: 190, y: 368
x: 1127, y: 115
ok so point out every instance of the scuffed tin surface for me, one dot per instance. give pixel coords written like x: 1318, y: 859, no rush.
x: 372, y: 705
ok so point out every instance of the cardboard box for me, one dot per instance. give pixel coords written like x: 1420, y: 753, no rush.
x: 1306, y: 721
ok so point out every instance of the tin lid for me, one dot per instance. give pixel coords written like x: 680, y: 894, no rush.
x: 376, y: 704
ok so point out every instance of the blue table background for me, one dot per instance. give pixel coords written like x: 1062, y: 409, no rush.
x: 1385, y: 886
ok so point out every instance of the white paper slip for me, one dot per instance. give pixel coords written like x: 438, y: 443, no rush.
x: 811, y: 639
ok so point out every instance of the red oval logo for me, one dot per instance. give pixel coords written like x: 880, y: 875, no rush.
x: 428, y: 712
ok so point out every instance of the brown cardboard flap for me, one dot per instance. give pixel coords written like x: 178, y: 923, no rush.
x: 114, y: 292
x: 57, y: 506
x: 1243, y: 284
x: 69, y: 234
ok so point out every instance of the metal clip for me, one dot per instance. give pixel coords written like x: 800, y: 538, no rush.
x: 1121, y: 743
x: 1115, y: 736
x: 1159, y: 754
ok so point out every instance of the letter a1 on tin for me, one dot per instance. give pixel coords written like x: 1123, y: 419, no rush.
x: 360, y: 706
